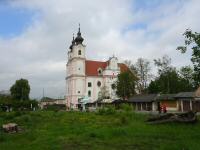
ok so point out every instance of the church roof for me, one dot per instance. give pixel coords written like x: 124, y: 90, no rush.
x: 91, y: 67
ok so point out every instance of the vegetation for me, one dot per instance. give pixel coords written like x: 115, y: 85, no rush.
x: 192, y: 39
x: 125, y: 86
x: 7, y: 102
x: 55, y: 107
x: 19, y: 98
x: 20, y: 90
x: 142, y: 71
x: 107, y: 131
x: 169, y: 80
x: 104, y: 93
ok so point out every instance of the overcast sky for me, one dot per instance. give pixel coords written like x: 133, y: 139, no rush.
x: 35, y: 35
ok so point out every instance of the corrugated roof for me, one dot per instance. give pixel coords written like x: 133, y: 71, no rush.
x: 143, y: 98
x: 165, y: 97
x: 185, y: 95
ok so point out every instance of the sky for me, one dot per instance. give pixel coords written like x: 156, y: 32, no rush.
x: 35, y: 36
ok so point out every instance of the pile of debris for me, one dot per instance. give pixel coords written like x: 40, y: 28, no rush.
x: 189, y: 117
x: 10, y: 127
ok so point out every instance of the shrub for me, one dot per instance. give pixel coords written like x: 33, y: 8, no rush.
x: 126, y: 107
x: 108, y: 110
x: 55, y: 107
x: 123, y: 120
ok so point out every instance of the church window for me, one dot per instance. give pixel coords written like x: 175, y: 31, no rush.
x: 89, y: 93
x: 89, y: 84
x: 79, y: 52
x: 98, y: 83
x: 99, y: 71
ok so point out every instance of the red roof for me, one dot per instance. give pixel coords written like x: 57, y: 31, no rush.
x: 91, y: 67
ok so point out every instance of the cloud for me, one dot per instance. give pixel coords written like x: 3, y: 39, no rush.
x: 39, y: 53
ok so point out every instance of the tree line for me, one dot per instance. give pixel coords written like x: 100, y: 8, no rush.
x: 18, y: 98
x: 169, y: 79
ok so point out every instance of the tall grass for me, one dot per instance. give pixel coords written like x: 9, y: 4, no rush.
x: 106, y: 129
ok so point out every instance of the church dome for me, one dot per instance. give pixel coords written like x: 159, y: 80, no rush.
x: 73, y: 43
x: 79, y: 38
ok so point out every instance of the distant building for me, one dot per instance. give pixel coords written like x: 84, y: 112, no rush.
x: 5, y: 92
x: 87, y: 77
x: 50, y: 101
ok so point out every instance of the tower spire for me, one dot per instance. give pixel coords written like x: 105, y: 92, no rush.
x: 79, y: 38
x: 73, y: 42
x: 79, y: 28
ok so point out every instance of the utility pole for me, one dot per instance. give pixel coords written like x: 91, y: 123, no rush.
x: 43, y: 92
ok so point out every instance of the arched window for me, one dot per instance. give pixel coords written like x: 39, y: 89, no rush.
x: 79, y: 52
x: 89, y: 93
x: 99, y: 71
x: 98, y: 83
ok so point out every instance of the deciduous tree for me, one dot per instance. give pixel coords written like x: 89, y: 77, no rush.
x: 20, y: 90
x: 125, y: 85
x: 142, y: 67
x: 192, y: 40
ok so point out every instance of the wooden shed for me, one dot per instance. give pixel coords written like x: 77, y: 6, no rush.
x: 169, y: 101
x: 144, y: 102
x: 188, y: 101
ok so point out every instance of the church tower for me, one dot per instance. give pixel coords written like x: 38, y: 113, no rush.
x: 75, y: 79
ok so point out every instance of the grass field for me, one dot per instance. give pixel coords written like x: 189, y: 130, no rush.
x: 49, y: 130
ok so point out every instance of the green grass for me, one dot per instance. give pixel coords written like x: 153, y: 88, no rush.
x: 48, y: 130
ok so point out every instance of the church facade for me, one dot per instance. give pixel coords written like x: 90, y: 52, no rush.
x: 87, y: 78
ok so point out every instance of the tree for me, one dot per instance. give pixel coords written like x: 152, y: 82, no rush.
x: 165, y: 71
x: 125, y: 85
x: 104, y: 93
x: 20, y: 90
x: 163, y: 64
x: 170, y: 80
x: 186, y: 73
x: 130, y: 65
x: 153, y: 87
x: 193, y: 40
x: 167, y: 82
x: 142, y: 68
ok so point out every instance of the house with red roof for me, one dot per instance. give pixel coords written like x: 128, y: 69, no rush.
x: 86, y: 78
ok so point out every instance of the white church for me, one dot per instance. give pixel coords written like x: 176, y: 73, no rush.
x: 85, y: 78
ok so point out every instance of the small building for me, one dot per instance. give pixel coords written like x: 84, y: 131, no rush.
x: 144, y: 102
x: 189, y: 101
x: 116, y: 103
x: 168, y: 100
x: 50, y: 101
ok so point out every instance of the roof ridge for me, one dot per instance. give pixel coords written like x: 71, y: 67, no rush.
x: 97, y: 61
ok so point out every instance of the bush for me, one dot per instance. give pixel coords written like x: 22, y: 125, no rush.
x: 109, y: 110
x: 55, y: 107
x: 24, y: 105
x: 124, y: 120
x: 126, y: 107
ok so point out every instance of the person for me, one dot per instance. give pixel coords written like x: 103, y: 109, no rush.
x: 159, y: 108
x: 164, y: 109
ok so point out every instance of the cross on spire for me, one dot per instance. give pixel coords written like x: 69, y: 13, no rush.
x: 79, y: 27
